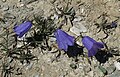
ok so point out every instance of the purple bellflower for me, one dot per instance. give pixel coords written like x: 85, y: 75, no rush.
x: 113, y: 25
x: 23, y: 28
x: 63, y: 39
x: 91, y: 45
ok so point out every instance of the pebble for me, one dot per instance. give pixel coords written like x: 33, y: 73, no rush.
x: 98, y: 72
x: 9, y: 16
x: 73, y: 66
x: 28, y: 1
x: 36, y: 76
x: 87, y: 69
x: 51, y: 41
x: 78, y: 26
x: 91, y: 73
x: 75, y: 30
x: 29, y: 66
x: 3, y: 0
x: 110, y: 69
x: 78, y: 30
x: 19, y: 0
x: 78, y: 19
x: 78, y: 41
x: 101, y: 34
x: 115, y: 74
x: 5, y: 8
x: 117, y: 65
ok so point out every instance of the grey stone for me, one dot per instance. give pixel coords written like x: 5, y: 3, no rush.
x: 28, y: 1
x: 19, y: 0
x: 87, y: 69
x: 110, y: 69
x: 115, y: 74
x: 5, y: 8
x: 29, y: 66
x: 37, y: 75
x: 3, y: 0
x: 117, y: 65
x: 78, y: 27
x: 78, y: 30
x: 9, y: 16
x: 78, y: 18
x: 98, y: 72
x: 73, y: 66
x: 91, y: 73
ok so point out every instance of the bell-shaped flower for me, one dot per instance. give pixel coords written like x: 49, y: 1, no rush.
x: 23, y: 28
x: 63, y: 39
x: 91, y: 45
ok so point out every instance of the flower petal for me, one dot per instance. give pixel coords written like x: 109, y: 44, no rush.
x: 61, y: 44
x: 100, y: 45
x: 93, y: 50
x: 70, y: 40
x: 67, y: 39
x: 87, y: 42
x: 91, y: 45
x: 21, y: 29
x: 63, y: 39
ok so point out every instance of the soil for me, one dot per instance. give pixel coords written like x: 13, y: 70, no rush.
x: 49, y: 64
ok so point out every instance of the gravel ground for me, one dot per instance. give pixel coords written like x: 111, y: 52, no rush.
x: 89, y: 18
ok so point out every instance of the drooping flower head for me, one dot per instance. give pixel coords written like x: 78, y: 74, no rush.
x: 113, y: 25
x: 63, y: 39
x: 23, y: 28
x: 91, y: 45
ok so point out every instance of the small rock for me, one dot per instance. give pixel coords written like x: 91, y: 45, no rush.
x: 21, y: 5
x: 51, y: 41
x: 77, y: 28
x: 5, y: 8
x: 9, y: 16
x: 28, y: 1
x: 37, y: 75
x: 1, y: 6
x: 78, y: 19
x: 117, y: 65
x: 78, y: 41
x: 101, y: 34
x: 29, y: 66
x: 91, y: 74
x: 115, y: 74
x: 19, y: 0
x: 73, y: 66
x: 98, y: 72
x: 55, y: 16
x: 3, y: 0
x: 87, y: 69
x: 110, y: 69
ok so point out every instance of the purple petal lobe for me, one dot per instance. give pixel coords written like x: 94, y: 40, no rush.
x: 63, y: 39
x: 93, y: 50
x: 91, y: 45
x: 21, y: 29
x: 100, y: 45
x: 87, y: 42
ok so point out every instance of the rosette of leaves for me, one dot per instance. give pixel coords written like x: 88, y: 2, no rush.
x: 43, y: 29
x: 65, y: 14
